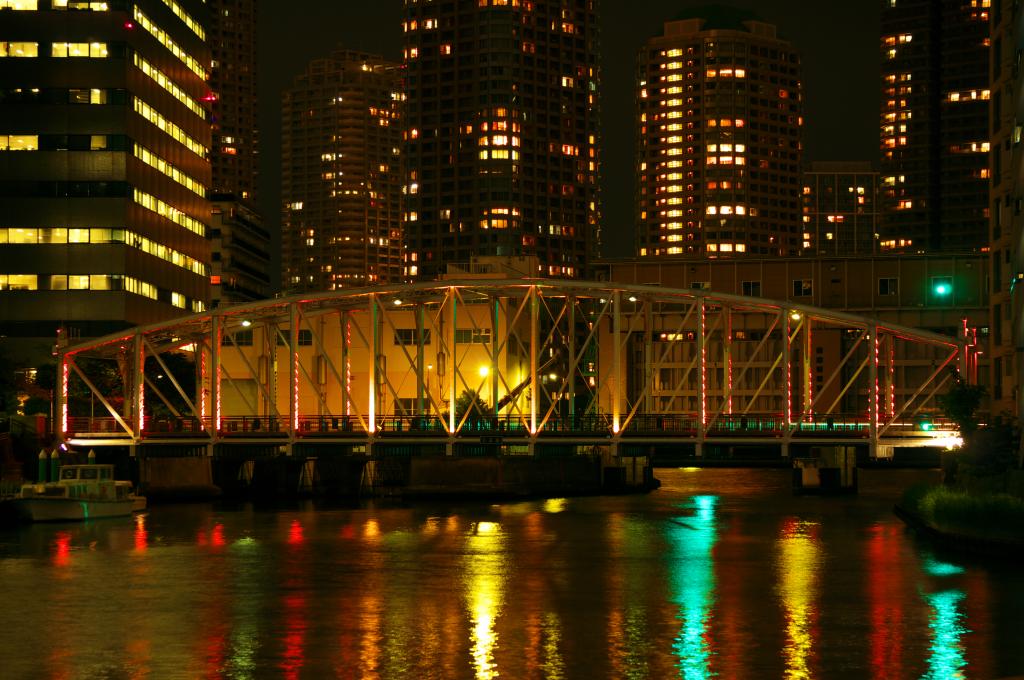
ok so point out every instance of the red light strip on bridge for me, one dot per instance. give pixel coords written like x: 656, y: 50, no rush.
x: 65, y: 377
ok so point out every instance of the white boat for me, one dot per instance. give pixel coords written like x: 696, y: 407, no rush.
x: 82, y: 492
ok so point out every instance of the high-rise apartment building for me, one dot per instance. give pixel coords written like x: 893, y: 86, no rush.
x: 341, y: 180
x: 233, y: 81
x: 840, y: 202
x: 1006, y: 329
x: 240, y: 243
x: 104, y: 164
x: 934, y: 125
x: 718, y: 148
x: 501, y: 147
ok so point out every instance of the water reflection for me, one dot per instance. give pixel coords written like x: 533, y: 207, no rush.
x: 798, y: 563
x: 484, y: 565
x: 946, y: 622
x: 692, y: 539
x: 886, y: 585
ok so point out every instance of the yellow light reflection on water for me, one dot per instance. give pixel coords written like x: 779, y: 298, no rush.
x: 484, y: 579
x: 798, y: 562
x: 553, y: 505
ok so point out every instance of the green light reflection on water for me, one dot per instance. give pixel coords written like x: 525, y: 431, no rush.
x: 946, y: 622
x: 691, y: 539
x: 936, y: 568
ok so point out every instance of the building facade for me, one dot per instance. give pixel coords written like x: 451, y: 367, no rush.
x: 718, y: 148
x: 840, y: 203
x: 104, y: 165
x: 240, y: 243
x: 501, y: 141
x: 240, y: 268
x: 934, y: 125
x: 1007, y: 225
x: 341, y: 180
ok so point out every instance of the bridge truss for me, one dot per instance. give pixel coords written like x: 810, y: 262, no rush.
x: 525, y: 363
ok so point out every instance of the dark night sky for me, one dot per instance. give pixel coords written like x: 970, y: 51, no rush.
x: 838, y: 42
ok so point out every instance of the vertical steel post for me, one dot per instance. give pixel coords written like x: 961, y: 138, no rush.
x: 138, y: 405
x: 452, y: 360
x: 702, y: 376
x: 648, y: 357
x: 572, y: 372
x: 727, y: 358
x: 293, y: 371
x: 63, y: 375
x: 344, y: 321
x: 534, y: 313
x: 873, y: 390
x: 374, y: 357
x: 495, y: 365
x: 808, y: 376
x: 215, y: 341
x: 787, y: 373
x: 616, y: 359
x: 420, y: 323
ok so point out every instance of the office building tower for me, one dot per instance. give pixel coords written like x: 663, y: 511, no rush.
x: 934, y: 125
x: 341, y: 180
x: 1006, y: 327
x: 501, y: 142
x: 104, y: 164
x: 718, y: 148
x: 240, y: 245
x: 840, y: 202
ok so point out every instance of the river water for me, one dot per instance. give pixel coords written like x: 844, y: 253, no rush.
x: 720, y: 573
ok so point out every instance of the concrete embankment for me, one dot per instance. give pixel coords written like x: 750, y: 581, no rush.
x: 176, y: 479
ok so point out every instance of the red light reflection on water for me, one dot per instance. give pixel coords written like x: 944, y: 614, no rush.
x: 62, y: 549
x: 885, y: 592
x: 141, y: 535
x: 294, y: 655
x: 295, y: 536
x: 217, y: 536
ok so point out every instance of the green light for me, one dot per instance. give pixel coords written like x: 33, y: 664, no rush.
x: 926, y: 426
x: 942, y: 288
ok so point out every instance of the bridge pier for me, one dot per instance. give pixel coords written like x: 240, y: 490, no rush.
x: 785, y: 450
x: 449, y: 448
x: 698, y: 450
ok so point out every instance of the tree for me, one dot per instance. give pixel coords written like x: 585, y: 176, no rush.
x: 961, y: 403
x: 470, y: 402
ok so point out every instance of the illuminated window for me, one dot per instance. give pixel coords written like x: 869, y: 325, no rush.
x: 82, y: 49
x: 19, y: 4
x: 191, y: 62
x: 19, y: 49
x: 169, y: 85
x: 19, y: 142
x: 19, y: 282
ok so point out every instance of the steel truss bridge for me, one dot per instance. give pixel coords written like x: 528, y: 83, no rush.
x: 530, y: 365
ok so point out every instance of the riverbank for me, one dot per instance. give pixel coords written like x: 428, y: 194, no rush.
x: 983, y: 524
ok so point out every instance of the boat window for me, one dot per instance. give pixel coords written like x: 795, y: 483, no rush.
x: 89, y: 473
x: 68, y: 473
x: 104, y: 473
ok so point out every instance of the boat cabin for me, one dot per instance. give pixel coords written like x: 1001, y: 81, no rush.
x: 86, y: 472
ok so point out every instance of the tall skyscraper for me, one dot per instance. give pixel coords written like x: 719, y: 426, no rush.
x: 840, y: 209
x: 233, y: 81
x: 718, y: 148
x: 341, y: 180
x: 1006, y: 329
x: 104, y: 164
x: 240, y: 244
x: 934, y: 125
x: 501, y: 147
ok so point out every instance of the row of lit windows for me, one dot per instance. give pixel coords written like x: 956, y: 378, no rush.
x: 191, y: 62
x: 57, y: 49
x: 968, y: 95
x: 727, y: 247
x: 164, y: 167
x: 726, y: 210
x: 62, y: 235
x: 179, y: 135
x: 55, y: 4
x: 161, y: 79
x: 499, y: 154
x: 193, y: 25
x: 19, y: 142
x: 154, y: 204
